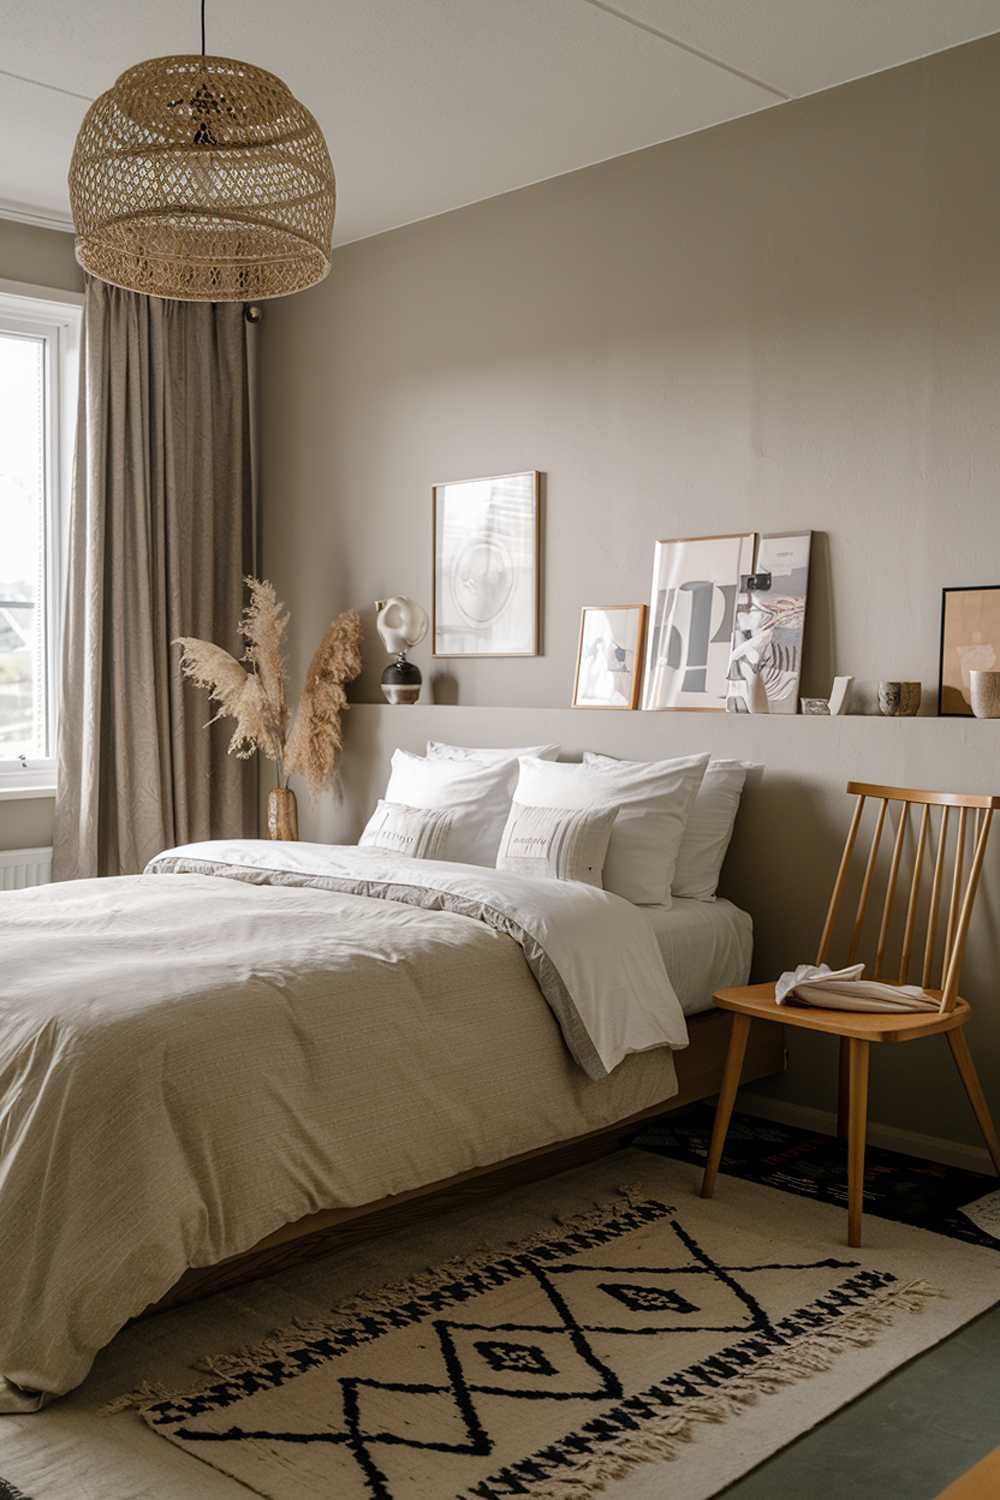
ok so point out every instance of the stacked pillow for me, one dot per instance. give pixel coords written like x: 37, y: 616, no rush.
x: 709, y: 826
x: 474, y: 796
x: 646, y: 830
x: 651, y: 802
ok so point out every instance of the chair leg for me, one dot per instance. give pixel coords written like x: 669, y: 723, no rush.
x: 844, y: 1088
x: 977, y: 1098
x: 857, y: 1129
x: 738, y: 1034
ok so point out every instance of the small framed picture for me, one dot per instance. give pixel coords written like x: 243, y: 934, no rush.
x: 486, y: 573
x: 970, y: 642
x: 609, y: 656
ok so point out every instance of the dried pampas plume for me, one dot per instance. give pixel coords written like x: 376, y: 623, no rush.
x: 256, y: 695
x: 315, y: 740
x: 263, y: 625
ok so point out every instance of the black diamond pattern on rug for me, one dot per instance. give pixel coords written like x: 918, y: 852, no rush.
x: 648, y: 1298
x: 526, y: 1359
x: 555, y: 1360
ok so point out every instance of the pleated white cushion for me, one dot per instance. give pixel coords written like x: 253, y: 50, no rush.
x: 556, y: 843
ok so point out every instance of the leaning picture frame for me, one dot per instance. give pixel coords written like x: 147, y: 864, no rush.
x: 486, y: 565
x: 692, y: 611
x: 609, y: 656
x: 970, y: 641
x: 769, y: 627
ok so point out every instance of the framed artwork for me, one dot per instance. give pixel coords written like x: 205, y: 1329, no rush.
x: 770, y: 623
x: 970, y: 642
x: 486, y: 572
x: 609, y: 656
x: 692, y: 613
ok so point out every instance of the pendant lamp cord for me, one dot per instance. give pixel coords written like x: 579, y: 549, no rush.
x: 203, y: 28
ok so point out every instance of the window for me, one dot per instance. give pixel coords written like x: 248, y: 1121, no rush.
x: 39, y: 344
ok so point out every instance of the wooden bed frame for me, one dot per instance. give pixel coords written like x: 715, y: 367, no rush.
x: 699, y: 1076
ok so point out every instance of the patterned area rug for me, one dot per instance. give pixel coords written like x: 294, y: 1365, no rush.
x: 905, y: 1189
x: 626, y: 1337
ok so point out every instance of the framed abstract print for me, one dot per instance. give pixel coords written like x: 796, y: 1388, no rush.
x: 691, y: 617
x: 770, y: 623
x: 970, y: 642
x: 486, y: 566
x: 609, y: 656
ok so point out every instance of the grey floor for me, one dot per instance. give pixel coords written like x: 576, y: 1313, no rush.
x: 907, y: 1439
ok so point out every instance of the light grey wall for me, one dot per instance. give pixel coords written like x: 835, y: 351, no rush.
x: 789, y: 321
x: 42, y: 257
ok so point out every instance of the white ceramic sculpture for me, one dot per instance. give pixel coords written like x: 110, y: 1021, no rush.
x: 401, y: 623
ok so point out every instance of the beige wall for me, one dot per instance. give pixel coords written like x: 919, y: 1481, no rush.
x: 789, y: 321
x: 43, y: 257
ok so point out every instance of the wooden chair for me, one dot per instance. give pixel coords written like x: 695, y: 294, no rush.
x: 858, y: 1030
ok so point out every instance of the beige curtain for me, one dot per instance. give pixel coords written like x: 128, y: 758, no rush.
x: 161, y: 535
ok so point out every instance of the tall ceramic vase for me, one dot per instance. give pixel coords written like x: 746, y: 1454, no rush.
x: 282, y: 814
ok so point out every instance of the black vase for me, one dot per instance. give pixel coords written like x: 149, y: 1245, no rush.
x: 401, y: 681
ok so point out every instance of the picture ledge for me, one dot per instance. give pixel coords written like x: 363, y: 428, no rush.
x: 664, y: 713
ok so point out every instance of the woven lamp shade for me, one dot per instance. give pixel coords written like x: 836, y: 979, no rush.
x: 202, y: 179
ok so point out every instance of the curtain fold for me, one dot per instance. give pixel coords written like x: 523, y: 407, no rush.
x: 161, y: 536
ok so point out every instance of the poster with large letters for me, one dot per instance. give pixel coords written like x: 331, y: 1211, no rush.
x: 691, y: 616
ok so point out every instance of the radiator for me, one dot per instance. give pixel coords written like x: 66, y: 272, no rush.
x: 21, y: 867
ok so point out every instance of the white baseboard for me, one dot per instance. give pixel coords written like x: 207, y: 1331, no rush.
x: 930, y: 1147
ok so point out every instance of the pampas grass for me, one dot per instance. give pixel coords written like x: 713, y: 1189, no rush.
x: 315, y: 740
x: 254, y: 691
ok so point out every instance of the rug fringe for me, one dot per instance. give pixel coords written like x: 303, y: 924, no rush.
x: 383, y: 1299
x: 145, y: 1392
x: 664, y: 1436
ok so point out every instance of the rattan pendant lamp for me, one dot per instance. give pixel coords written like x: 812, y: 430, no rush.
x: 202, y: 179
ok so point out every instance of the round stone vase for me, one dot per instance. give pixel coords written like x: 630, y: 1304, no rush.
x: 282, y: 814
x: 401, y: 681
x: 984, y: 694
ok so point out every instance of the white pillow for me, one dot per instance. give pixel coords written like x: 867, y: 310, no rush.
x: 709, y: 826
x: 709, y: 830
x: 477, y: 793
x: 438, y: 751
x: 653, y: 801
x: 413, y: 831
x: 556, y: 843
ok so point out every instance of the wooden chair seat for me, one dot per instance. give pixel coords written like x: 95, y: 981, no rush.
x: 757, y: 1001
x: 857, y: 1030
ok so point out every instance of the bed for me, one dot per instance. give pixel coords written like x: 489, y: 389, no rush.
x: 252, y: 1042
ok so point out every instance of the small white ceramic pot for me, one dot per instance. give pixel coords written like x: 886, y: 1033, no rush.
x: 984, y: 694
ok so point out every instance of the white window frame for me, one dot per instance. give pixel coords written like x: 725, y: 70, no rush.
x: 55, y: 316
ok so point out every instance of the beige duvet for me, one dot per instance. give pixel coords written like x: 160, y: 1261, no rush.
x: 188, y: 1062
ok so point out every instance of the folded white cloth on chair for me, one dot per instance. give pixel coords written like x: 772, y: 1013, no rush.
x: 844, y: 989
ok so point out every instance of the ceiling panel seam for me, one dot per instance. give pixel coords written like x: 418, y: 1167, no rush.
x: 674, y: 41
x: 39, y: 84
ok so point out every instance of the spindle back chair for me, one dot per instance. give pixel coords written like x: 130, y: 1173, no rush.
x: 939, y: 867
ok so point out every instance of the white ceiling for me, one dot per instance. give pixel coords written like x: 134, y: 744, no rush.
x: 430, y: 104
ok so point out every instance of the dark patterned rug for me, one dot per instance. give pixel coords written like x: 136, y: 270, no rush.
x: 905, y: 1189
